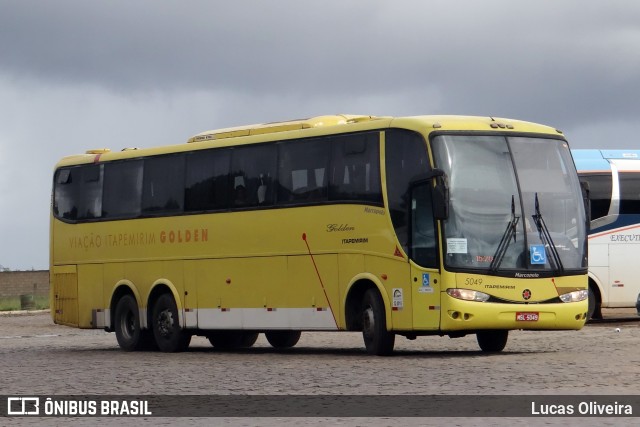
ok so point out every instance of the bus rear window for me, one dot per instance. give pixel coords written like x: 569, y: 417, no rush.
x: 78, y: 192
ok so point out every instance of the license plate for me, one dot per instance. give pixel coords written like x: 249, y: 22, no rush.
x: 527, y: 316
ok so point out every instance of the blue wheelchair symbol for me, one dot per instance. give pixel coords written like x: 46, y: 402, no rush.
x: 425, y: 279
x: 538, y: 254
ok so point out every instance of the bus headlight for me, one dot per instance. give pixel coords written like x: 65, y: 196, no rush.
x: 468, y: 295
x: 575, y: 296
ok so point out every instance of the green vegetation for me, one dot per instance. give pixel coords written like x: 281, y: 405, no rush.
x: 39, y: 302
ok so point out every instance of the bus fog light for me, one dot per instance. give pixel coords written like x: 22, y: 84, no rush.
x: 575, y: 296
x: 468, y: 295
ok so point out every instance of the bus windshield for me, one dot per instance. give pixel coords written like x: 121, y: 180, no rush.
x: 515, y: 204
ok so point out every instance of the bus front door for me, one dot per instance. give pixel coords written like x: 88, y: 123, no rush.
x: 423, y: 248
x: 425, y: 298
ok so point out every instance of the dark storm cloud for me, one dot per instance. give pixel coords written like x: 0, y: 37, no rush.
x: 84, y: 74
x: 563, y: 61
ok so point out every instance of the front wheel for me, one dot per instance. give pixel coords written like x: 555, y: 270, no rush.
x: 377, y: 339
x: 283, y: 339
x: 170, y: 337
x: 492, y: 341
x: 594, y: 311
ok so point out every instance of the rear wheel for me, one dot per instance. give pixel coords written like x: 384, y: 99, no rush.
x: 492, y: 341
x: 228, y: 340
x: 283, y: 339
x: 127, y: 324
x: 377, y: 339
x: 169, y: 336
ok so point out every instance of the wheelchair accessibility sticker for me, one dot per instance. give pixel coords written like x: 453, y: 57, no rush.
x: 426, y: 284
x: 538, y: 254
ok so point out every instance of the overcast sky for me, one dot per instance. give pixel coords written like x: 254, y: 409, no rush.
x: 76, y: 75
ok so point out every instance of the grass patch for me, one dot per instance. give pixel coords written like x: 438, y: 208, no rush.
x: 40, y: 302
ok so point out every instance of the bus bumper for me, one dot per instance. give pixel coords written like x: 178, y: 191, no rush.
x: 459, y: 315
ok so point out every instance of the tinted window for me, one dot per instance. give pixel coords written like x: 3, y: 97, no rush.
x: 629, y: 193
x: 207, y: 180
x: 302, y: 175
x: 163, y: 184
x: 253, y: 169
x: 423, y: 228
x: 336, y: 168
x: 406, y: 160
x: 122, y: 189
x: 78, y: 192
x: 355, y: 169
x: 599, y: 194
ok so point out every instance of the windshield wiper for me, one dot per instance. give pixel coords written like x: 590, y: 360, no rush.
x: 509, y: 232
x: 546, y: 239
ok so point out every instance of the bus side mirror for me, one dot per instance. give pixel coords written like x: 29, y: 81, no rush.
x: 440, y: 193
x: 441, y: 201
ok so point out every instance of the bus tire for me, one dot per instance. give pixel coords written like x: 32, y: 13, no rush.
x: 492, y: 341
x: 229, y: 340
x: 127, y: 325
x: 169, y: 336
x: 594, y: 311
x: 283, y: 339
x: 377, y: 339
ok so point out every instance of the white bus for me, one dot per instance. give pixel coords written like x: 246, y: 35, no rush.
x: 614, y: 239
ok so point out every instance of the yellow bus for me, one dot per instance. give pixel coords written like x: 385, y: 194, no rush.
x: 411, y: 226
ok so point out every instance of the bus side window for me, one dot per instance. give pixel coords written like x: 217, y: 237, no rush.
x: 599, y: 193
x: 423, y: 231
x: 302, y: 171
x: 163, y: 184
x: 78, y: 193
x: 254, y: 168
x: 207, y: 180
x: 406, y: 160
x: 355, y: 166
x: 629, y: 193
x: 122, y: 189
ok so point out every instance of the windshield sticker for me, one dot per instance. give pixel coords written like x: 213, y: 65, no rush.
x: 538, y: 254
x: 397, y: 298
x: 456, y: 246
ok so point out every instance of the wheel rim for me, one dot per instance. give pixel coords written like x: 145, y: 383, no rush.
x: 165, y: 323
x: 128, y: 325
x: 368, y: 322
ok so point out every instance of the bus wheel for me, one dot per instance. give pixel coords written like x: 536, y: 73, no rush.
x: 227, y: 340
x: 170, y: 337
x: 283, y: 339
x: 127, y: 325
x: 592, y: 304
x: 377, y: 339
x: 492, y: 341
x: 594, y: 311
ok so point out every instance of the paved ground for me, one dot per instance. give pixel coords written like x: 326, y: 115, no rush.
x: 39, y: 358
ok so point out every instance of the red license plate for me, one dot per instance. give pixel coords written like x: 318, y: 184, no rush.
x: 527, y: 316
